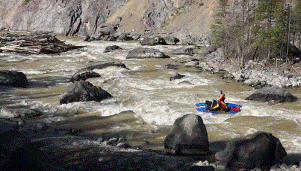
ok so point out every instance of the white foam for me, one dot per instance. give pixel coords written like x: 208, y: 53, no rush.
x: 6, y: 114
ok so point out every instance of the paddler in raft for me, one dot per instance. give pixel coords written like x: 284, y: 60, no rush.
x: 220, y: 105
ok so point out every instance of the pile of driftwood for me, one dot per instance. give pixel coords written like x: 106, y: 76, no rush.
x: 33, y: 44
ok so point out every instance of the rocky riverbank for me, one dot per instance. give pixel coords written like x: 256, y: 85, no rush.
x: 47, y: 147
x: 252, y: 74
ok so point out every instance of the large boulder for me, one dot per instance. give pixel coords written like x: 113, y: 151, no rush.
x: 188, y: 135
x: 13, y: 78
x: 273, y: 93
x: 146, y: 53
x: 260, y: 150
x: 83, y: 91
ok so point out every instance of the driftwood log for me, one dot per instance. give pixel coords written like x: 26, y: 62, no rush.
x: 33, y: 44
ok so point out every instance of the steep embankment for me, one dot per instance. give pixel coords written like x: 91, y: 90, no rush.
x: 84, y: 17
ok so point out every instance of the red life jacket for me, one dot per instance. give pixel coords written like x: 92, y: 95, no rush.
x: 222, y: 97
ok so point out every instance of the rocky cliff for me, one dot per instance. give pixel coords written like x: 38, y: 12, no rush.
x: 85, y: 17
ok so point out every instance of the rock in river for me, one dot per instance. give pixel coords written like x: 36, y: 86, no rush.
x: 146, y: 53
x: 273, y: 93
x: 111, y: 48
x: 260, y: 150
x: 83, y: 91
x: 13, y: 78
x: 83, y: 75
x: 104, y: 64
x: 188, y: 135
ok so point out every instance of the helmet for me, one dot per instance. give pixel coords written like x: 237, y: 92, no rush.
x: 221, y: 91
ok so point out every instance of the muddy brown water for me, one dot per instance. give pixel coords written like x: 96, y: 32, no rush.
x: 145, y: 102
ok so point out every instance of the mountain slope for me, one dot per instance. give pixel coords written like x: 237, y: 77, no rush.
x: 83, y: 17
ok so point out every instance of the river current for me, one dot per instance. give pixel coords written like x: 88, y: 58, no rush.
x: 145, y: 102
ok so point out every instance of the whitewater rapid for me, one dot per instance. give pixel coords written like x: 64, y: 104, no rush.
x: 145, y: 90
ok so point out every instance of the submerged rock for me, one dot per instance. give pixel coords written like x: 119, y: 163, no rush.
x: 273, y: 93
x: 13, y: 78
x: 260, y: 150
x: 176, y: 76
x: 146, y: 53
x: 188, y: 135
x: 83, y: 91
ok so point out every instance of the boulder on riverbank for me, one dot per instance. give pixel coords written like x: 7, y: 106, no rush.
x: 183, y: 51
x: 83, y: 91
x: 145, y: 53
x: 152, y: 41
x: 260, y: 150
x: 188, y: 135
x: 273, y: 93
x: 13, y: 78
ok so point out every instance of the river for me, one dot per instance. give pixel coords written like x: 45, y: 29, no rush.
x: 145, y: 102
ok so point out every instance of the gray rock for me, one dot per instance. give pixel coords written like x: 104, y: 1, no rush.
x: 145, y: 53
x: 111, y: 48
x: 83, y: 75
x: 176, y: 76
x: 125, y: 37
x: 83, y: 91
x: 13, y: 78
x: 104, y: 64
x: 260, y: 150
x: 188, y: 135
x: 172, y: 66
x: 252, y: 82
x: 183, y: 51
x: 171, y: 40
x: 151, y: 41
x: 273, y: 93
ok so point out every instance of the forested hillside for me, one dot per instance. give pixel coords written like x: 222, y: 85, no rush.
x: 267, y: 31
